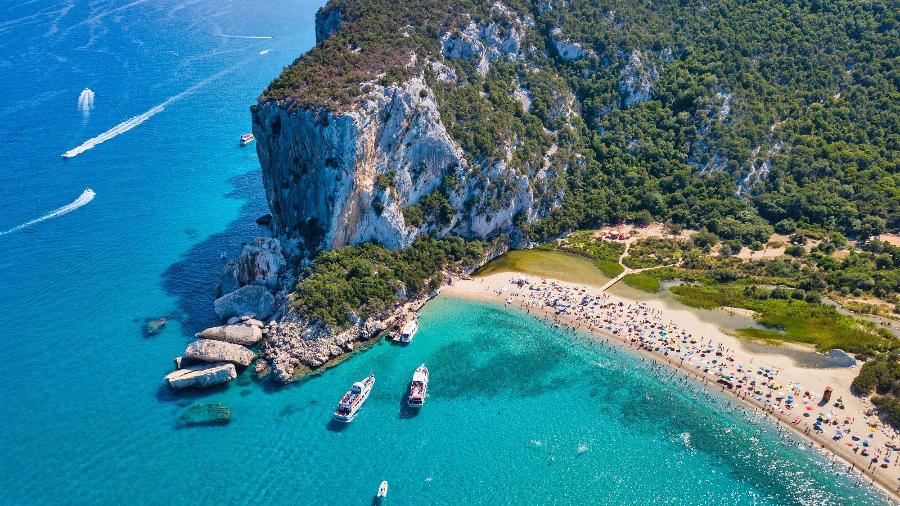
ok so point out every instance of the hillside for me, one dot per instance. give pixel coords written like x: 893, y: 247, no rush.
x: 550, y: 116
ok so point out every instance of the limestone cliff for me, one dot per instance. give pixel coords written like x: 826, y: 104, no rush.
x: 344, y: 175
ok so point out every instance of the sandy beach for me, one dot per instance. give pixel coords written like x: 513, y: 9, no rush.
x: 772, y: 384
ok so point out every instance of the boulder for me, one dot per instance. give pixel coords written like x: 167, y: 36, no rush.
x: 261, y: 263
x: 209, y: 350
x: 238, y: 334
x: 153, y: 327
x: 228, y: 281
x: 202, y: 375
x: 204, y: 414
x: 252, y: 300
x: 252, y: 321
x: 265, y: 219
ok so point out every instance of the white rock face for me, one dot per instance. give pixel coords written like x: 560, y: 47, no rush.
x: 638, y: 78
x: 325, y: 172
x: 202, y: 375
x: 568, y: 51
x: 484, y: 43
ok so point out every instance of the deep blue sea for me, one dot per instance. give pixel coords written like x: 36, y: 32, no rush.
x: 519, y: 413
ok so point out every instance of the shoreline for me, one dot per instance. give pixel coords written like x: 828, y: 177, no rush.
x: 497, y: 288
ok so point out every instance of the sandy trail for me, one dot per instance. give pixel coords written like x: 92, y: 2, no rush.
x: 853, y: 420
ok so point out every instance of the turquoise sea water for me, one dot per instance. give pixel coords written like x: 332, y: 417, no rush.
x: 519, y: 413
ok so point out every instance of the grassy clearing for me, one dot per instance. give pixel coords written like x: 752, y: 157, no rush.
x: 642, y: 282
x: 604, y: 254
x: 609, y: 268
x: 551, y: 264
x: 791, y: 320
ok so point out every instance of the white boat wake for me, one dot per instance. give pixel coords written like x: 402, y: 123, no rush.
x: 86, y: 196
x: 132, y: 122
x: 264, y: 51
x: 86, y: 102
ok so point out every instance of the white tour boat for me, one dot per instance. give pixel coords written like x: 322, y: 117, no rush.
x: 247, y: 139
x: 418, y: 389
x: 354, y: 399
x: 382, y: 489
x: 408, y: 332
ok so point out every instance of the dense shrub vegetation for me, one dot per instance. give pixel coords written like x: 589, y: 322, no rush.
x: 367, y: 279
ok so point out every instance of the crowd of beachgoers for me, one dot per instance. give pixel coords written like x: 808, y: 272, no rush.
x: 870, y: 449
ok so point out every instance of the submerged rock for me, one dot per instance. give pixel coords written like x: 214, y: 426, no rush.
x: 245, y: 335
x: 202, y: 375
x: 153, y: 327
x: 204, y: 414
x: 265, y: 219
x: 209, y: 350
x: 250, y: 300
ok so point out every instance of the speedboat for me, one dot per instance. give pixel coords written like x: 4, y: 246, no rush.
x: 408, y: 332
x: 382, y: 489
x: 418, y: 389
x: 247, y: 139
x: 354, y: 399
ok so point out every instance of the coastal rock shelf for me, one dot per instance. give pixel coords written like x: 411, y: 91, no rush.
x: 208, y: 350
x: 202, y: 375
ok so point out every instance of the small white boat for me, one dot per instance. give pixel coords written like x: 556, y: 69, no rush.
x: 382, y: 489
x: 354, y: 399
x: 418, y: 389
x: 408, y: 332
x: 247, y: 139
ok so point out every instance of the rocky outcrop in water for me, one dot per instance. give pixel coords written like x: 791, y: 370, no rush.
x: 260, y: 263
x: 201, y: 375
x: 209, y: 350
x: 249, y: 300
x: 245, y: 335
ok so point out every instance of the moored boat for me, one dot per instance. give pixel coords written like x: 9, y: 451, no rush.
x: 408, y: 331
x: 418, y: 389
x: 247, y: 139
x: 354, y: 399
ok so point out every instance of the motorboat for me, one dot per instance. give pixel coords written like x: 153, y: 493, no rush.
x: 418, y: 389
x: 354, y: 399
x: 408, y: 331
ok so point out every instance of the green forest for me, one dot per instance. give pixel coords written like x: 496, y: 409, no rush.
x: 756, y: 113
